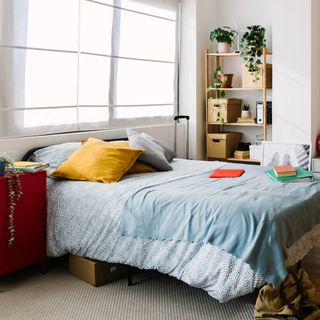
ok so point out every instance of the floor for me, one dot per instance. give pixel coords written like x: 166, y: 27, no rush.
x: 29, y: 295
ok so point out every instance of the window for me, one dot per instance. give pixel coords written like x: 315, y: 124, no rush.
x: 70, y: 65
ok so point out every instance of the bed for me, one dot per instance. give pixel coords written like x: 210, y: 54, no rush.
x: 84, y: 220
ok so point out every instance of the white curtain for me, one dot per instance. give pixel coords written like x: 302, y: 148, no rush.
x: 13, y: 31
x: 68, y: 65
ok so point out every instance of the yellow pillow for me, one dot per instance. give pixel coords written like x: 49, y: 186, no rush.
x: 97, y: 160
x: 138, y: 166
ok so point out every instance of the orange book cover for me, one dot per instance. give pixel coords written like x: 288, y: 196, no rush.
x: 227, y: 173
x: 284, y: 171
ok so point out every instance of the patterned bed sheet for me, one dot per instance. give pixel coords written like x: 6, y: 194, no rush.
x: 84, y: 219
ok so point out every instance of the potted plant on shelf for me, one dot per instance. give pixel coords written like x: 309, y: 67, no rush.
x: 252, y: 43
x: 222, y: 80
x: 225, y: 37
x: 245, y: 113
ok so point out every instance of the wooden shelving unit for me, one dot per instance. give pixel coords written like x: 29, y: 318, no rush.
x: 219, y: 127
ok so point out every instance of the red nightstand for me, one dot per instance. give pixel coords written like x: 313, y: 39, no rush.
x: 30, y: 219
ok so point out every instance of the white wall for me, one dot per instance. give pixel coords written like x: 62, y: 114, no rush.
x: 206, y: 21
x: 198, y: 18
x: 292, y: 70
x: 315, y: 70
x: 188, y: 69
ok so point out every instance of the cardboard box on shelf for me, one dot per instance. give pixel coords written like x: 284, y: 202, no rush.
x: 224, y: 110
x: 96, y: 272
x: 222, y: 145
x: 249, y: 79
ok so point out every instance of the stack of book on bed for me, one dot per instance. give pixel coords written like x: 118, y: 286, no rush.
x: 29, y: 166
x: 289, y: 174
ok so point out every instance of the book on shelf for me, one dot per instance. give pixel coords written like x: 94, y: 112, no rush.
x: 246, y: 120
x: 29, y: 166
x: 302, y: 176
x: 285, y: 171
x: 239, y: 154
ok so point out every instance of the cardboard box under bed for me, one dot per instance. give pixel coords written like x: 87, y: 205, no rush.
x: 96, y: 272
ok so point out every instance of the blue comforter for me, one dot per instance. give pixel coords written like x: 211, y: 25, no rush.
x: 251, y: 217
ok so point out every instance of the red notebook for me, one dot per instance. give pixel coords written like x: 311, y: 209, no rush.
x: 227, y: 173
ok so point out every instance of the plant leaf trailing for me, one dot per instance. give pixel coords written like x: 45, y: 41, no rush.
x: 218, y: 74
x: 217, y: 109
x: 223, y: 34
x: 252, y: 43
x: 14, y: 194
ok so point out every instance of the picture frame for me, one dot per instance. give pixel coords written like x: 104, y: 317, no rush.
x: 295, y: 154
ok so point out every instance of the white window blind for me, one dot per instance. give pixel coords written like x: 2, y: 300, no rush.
x: 70, y: 65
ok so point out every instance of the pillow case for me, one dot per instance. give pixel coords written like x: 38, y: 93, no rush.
x: 55, y: 155
x: 168, y: 153
x: 153, y: 154
x: 98, y: 161
x: 138, y: 166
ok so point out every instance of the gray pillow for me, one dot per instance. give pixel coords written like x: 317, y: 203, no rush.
x: 153, y: 155
x: 57, y: 154
x: 168, y: 153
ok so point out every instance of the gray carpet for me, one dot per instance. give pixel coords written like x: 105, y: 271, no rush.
x: 29, y: 295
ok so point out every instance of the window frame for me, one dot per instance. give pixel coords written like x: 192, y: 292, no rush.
x: 113, y: 122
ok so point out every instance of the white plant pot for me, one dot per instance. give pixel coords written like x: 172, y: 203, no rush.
x: 223, y: 47
x: 245, y: 114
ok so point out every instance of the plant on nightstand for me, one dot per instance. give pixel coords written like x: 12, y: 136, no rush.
x: 5, y: 162
x: 14, y: 192
x: 225, y: 37
x: 252, y: 43
x: 245, y: 113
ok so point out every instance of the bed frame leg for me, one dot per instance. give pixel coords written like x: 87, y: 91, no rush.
x: 130, y: 276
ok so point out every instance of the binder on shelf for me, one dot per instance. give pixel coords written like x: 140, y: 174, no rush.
x: 260, y: 112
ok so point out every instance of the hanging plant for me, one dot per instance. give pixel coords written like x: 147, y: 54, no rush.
x: 14, y: 193
x: 252, y: 43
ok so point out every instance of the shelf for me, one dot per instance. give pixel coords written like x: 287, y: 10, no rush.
x: 243, y: 160
x: 216, y: 54
x: 234, y: 89
x: 236, y: 124
x: 231, y: 54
